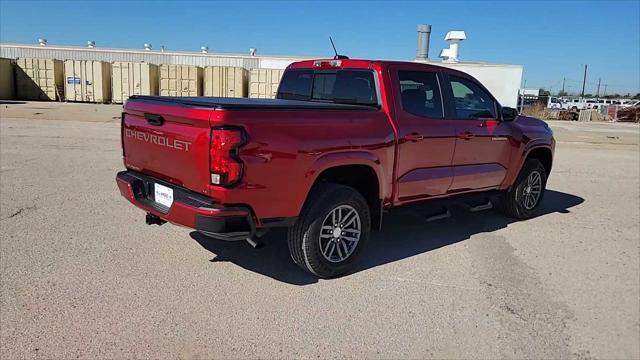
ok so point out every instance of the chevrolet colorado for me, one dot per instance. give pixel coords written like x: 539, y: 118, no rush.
x: 343, y: 141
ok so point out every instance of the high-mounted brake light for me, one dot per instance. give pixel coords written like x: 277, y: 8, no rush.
x: 327, y: 63
x: 226, y: 167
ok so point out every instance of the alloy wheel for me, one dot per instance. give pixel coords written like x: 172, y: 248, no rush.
x: 340, y: 233
x: 532, y: 190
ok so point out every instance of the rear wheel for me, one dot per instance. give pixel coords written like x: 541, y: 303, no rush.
x: 526, y: 194
x: 331, y: 232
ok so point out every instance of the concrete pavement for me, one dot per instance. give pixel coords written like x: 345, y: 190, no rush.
x: 83, y: 276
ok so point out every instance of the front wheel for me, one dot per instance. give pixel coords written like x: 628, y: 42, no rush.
x: 331, y: 232
x: 525, y: 196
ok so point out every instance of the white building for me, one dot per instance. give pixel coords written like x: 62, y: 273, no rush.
x: 503, y: 80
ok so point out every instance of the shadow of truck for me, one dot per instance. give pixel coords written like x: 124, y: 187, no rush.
x: 405, y: 233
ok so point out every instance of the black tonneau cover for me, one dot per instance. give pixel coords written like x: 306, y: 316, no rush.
x: 218, y: 103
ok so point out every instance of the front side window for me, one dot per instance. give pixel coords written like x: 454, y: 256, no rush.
x: 420, y: 93
x: 471, y: 102
x: 340, y: 86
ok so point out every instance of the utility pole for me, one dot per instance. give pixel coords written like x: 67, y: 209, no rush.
x: 584, y: 80
x: 598, y: 91
x: 563, y: 80
x: 605, y: 89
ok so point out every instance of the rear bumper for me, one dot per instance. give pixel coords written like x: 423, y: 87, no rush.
x: 189, y: 209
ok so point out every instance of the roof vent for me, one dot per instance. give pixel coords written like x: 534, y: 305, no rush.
x: 454, y: 38
x: 204, y: 49
x: 424, y: 33
x: 91, y: 44
x: 147, y: 47
x: 252, y: 51
x: 42, y: 42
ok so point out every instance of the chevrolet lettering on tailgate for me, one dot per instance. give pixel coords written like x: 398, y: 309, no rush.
x: 158, y: 139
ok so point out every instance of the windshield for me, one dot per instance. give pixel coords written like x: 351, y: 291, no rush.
x: 339, y: 86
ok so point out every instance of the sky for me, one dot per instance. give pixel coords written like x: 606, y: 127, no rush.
x: 551, y: 39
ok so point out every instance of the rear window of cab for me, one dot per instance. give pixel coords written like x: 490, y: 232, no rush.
x: 356, y: 87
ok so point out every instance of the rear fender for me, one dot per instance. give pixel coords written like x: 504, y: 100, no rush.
x: 349, y: 158
x: 357, y: 158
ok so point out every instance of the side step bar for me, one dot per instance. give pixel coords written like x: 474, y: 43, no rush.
x: 439, y: 216
x: 445, y: 213
x: 486, y: 206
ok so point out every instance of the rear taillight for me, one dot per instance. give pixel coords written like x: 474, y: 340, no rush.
x: 226, y: 167
x: 122, y: 133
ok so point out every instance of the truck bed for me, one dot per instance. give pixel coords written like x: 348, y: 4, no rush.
x: 217, y: 103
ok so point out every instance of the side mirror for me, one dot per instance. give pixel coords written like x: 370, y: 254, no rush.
x: 509, y: 114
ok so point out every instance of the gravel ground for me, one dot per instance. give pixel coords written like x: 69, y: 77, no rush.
x: 83, y: 276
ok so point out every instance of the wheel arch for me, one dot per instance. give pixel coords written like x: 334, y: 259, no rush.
x: 358, y: 169
x: 539, y: 149
x: 544, y: 154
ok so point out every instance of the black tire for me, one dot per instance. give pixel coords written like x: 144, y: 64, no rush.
x: 512, y: 202
x: 304, y: 235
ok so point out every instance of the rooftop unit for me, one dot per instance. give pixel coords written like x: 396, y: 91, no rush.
x: 454, y: 38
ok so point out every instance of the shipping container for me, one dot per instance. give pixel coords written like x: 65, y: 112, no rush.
x: 87, y: 81
x: 133, y: 79
x: 263, y: 83
x: 180, y: 80
x: 39, y: 79
x: 7, y: 83
x: 222, y: 81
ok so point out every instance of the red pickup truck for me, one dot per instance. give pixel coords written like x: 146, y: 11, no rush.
x: 343, y: 141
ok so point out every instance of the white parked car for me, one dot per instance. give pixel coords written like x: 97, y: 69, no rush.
x: 629, y: 103
x: 556, y: 103
x: 576, y: 104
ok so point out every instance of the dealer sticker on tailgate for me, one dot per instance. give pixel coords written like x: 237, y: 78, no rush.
x: 163, y: 195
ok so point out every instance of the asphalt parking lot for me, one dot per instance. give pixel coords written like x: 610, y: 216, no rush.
x: 83, y: 276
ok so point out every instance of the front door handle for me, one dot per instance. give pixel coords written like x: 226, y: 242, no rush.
x: 467, y: 135
x: 414, y: 137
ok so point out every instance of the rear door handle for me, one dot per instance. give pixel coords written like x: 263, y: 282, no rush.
x: 413, y: 137
x: 467, y: 135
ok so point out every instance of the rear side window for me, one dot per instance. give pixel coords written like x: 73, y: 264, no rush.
x: 341, y: 86
x: 295, y: 85
x: 420, y: 93
x: 471, y: 102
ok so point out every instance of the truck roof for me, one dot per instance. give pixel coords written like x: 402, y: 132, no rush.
x: 366, y: 64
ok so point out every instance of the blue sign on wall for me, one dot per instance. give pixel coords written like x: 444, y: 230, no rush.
x: 73, y: 80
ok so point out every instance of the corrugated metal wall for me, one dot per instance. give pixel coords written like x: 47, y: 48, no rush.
x: 153, y: 57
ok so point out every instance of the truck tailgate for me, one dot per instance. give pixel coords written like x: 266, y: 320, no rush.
x: 170, y: 142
